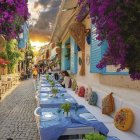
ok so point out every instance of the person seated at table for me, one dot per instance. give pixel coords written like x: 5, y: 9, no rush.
x: 49, y: 70
x: 66, y: 79
x: 61, y: 78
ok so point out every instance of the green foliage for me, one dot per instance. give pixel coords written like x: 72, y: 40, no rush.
x: 66, y: 107
x: 94, y: 136
x: 13, y: 55
x: 58, y: 44
x: 52, y: 83
x: 29, y: 52
x: 55, y: 91
x: 3, y: 55
x: 47, y: 76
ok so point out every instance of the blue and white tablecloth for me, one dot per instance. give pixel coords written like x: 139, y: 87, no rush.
x: 46, y: 102
x: 53, y: 125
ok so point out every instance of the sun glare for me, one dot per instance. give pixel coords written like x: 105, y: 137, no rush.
x: 39, y: 44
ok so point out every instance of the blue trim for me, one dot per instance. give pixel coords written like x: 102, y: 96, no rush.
x: 115, y: 73
x: 74, y: 56
x: 65, y: 61
x: 21, y: 43
x: 67, y: 41
x: 97, y: 52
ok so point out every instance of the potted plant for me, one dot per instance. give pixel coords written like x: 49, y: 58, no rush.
x: 66, y: 107
x: 52, y: 83
x: 54, y: 91
x: 47, y: 76
x: 94, y: 136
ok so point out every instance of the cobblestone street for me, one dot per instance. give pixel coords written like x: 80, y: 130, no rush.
x: 17, y: 114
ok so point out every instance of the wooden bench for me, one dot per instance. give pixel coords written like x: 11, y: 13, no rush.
x: 133, y: 134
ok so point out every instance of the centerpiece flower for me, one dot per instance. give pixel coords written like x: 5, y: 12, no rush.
x: 66, y: 107
x: 52, y: 83
x: 55, y: 91
x: 47, y: 76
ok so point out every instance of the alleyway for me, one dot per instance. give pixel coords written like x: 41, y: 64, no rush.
x: 16, y: 114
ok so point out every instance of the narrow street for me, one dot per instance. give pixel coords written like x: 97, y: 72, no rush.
x: 17, y: 114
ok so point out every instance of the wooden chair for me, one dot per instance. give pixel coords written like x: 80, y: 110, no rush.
x: 5, y: 82
x: 2, y: 89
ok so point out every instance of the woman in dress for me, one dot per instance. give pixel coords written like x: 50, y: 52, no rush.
x: 66, y: 79
x: 35, y: 72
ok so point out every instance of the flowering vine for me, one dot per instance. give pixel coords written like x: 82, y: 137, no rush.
x: 13, y: 13
x: 84, y: 9
x: 117, y: 21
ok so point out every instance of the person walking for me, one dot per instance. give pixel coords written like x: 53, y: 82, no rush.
x: 35, y: 72
x: 40, y: 71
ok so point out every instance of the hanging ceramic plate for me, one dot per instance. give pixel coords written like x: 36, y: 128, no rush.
x: 88, y: 38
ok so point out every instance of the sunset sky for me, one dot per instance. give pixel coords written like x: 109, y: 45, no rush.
x: 42, y: 19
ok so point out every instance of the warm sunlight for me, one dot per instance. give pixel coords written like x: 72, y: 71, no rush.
x: 38, y: 44
x: 69, y: 70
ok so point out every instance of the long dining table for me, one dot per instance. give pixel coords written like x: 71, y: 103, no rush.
x: 53, y: 123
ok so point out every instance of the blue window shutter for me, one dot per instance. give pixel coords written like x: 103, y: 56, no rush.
x: 63, y: 57
x: 25, y: 32
x: 21, y: 43
x: 95, y: 52
x: 73, y: 63
x: 65, y: 62
x: 104, y: 47
x: 67, y: 59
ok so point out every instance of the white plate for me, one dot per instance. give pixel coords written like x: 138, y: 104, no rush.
x: 87, y: 116
x: 70, y: 100
x: 48, y: 116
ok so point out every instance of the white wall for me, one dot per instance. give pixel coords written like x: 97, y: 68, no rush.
x: 122, y: 86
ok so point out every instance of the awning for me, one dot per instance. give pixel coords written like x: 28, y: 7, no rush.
x: 4, y: 62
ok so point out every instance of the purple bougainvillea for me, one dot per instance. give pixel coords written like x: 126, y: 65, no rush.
x: 13, y: 13
x: 117, y: 21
